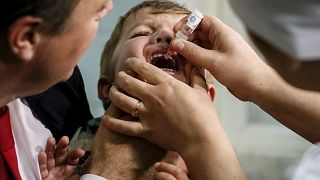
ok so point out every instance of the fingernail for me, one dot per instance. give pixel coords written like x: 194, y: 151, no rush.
x: 178, y: 44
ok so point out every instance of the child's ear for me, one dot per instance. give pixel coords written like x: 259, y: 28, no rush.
x: 104, y: 86
x: 24, y: 36
x: 211, y: 91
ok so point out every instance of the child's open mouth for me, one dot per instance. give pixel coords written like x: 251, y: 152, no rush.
x: 169, y: 65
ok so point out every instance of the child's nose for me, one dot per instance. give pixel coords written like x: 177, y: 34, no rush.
x: 163, y: 37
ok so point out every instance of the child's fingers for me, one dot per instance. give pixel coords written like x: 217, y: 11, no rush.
x: 49, y: 150
x: 42, y: 158
x: 63, y: 143
x: 169, y: 171
x: 50, y: 146
x: 69, y: 171
x: 74, y: 156
x: 61, y: 151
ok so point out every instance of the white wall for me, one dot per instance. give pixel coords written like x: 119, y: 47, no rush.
x: 265, y: 148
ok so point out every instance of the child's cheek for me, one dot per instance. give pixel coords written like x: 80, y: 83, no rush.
x: 135, y: 49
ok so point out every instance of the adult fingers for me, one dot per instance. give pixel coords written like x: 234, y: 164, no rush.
x: 130, y: 128
x: 204, y: 40
x: 199, y: 39
x: 170, y: 171
x: 196, y: 54
x: 114, y: 111
x: 211, y: 33
x: 212, y: 26
x: 124, y: 102
x: 147, y: 71
x: 131, y: 85
x: 164, y: 176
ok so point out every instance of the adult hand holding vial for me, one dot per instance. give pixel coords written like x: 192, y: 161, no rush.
x: 187, y: 28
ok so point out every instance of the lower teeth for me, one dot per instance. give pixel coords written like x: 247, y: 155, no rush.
x: 166, y: 69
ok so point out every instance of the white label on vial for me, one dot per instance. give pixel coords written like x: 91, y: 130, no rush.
x: 193, y: 21
x: 190, y: 25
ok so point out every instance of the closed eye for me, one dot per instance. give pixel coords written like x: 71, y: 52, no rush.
x: 141, y: 33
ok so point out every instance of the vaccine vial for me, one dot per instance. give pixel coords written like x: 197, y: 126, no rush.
x: 187, y: 28
x: 190, y: 25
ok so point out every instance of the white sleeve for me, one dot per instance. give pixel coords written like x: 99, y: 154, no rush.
x: 91, y: 177
x: 308, y: 167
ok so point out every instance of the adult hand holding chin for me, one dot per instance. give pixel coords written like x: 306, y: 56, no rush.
x: 176, y: 117
x: 171, y: 113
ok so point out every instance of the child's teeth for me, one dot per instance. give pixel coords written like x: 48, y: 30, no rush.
x: 166, y: 69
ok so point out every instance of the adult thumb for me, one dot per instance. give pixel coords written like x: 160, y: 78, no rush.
x: 194, y: 53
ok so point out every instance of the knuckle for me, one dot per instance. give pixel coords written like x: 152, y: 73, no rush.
x: 122, y: 101
x: 126, y: 83
x: 119, y: 77
x: 145, y: 68
x: 111, y: 95
x: 123, y: 81
x: 132, y: 63
x: 129, y: 62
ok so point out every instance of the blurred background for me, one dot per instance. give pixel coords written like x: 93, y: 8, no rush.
x: 265, y: 148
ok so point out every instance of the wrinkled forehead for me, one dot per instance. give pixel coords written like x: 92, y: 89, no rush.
x: 138, y: 15
x: 148, y: 16
x: 152, y: 11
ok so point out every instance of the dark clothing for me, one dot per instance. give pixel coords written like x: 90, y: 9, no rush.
x: 85, y: 134
x: 64, y: 107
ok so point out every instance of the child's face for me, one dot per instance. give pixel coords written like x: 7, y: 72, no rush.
x: 147, y: 36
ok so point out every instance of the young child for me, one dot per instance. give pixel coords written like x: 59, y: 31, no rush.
x: 145, y: 31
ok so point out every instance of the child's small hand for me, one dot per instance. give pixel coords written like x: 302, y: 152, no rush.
x: 56, y: 162
x: 166, y: 171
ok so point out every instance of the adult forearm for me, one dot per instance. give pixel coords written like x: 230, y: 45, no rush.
x: 295, y: 108
x: 213, y: 158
